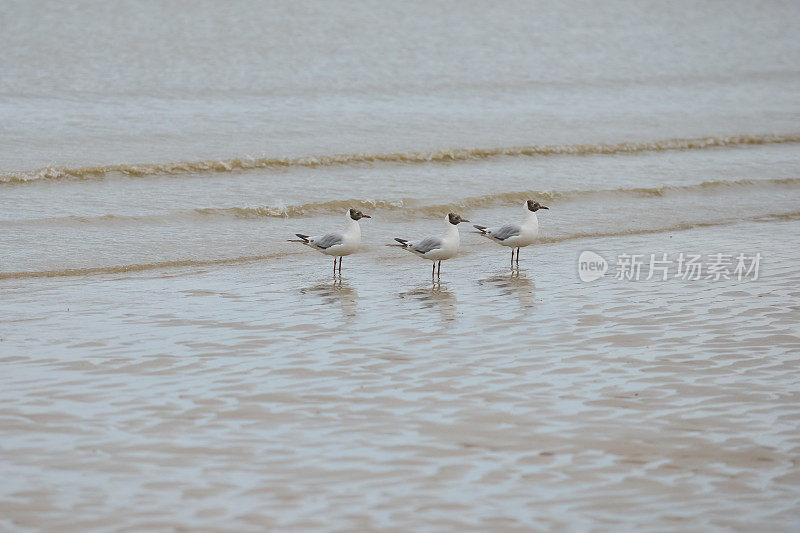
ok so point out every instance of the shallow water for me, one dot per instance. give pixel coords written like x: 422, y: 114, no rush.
x: 86, y: 84
x: 256, y: 394
x: 172, y: 362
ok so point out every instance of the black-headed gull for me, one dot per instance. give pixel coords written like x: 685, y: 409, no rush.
x: 516, y: 235
x: 437, y: 248
x: 338, y: 244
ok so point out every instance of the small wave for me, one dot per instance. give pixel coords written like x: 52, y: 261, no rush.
x: 304, y: 210
x: 511, y: 198
x: 409, y: 208
x: 139, y: 267
x: 684, y: 226
x: 194, y: 263
x: 437, y: 156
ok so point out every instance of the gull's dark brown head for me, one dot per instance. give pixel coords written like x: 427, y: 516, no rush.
x: 455, y: 219
x: 355, y: 214
x: 535, y: 206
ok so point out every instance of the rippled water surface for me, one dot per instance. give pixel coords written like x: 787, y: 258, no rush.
x: 267, y: 394
x: 171, y: 362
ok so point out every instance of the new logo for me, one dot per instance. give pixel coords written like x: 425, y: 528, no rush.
x: 591, y: 266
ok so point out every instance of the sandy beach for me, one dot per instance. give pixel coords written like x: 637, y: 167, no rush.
x: 171, y: 363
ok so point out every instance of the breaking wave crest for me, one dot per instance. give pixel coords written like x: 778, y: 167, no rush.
x: 413, y: 209
x: 410, y: 208
x: 440, y: 156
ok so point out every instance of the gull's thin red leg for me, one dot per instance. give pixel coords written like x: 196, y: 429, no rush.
x: 439, y: 271
x: 433, y: 272
x: 340, y: 266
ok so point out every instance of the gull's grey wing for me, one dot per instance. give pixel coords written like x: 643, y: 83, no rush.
x: 504, y: 232
x: 326, y: 241
x: 426, y: 245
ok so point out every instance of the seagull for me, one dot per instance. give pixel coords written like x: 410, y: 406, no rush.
x: 337, y: 244
x: 516, y: 235
x: 437, y: 248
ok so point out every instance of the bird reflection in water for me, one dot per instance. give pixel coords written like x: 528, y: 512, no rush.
x: 337, y: 292
x: 435, y: 295
x: 515, y: 284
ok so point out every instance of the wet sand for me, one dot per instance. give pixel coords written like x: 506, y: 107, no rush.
x: 266, y: 394
x: 170, y: 362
